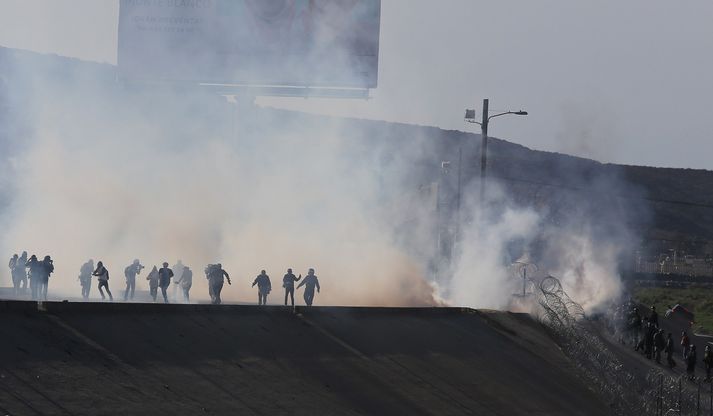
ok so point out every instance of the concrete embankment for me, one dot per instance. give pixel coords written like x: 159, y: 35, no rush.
x: 94, y: 358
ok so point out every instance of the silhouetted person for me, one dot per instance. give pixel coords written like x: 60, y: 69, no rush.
x: 14, y: 273
x: 642, y: 335
x: 178, y: 272
x: 310, y: 282
x: 85, y: 277
x: 708, y: 361
x: 654, y: 317
x: 691, y: 362
x: 263, y: 287
x: 35, y: 274
x: 659, y: 345
x: 102, y: 275
x: 288, y: 282
x: 153, y: 282
x: 669, y: 351
x: 22, y: 271
x: 635, y: 326
x: 649, y: 341
x: 45, y: 272
x: 164, y: 280
x: 216, y: 276
x: 685, y: 344
x: 186, y: 281
x: 130, y: 273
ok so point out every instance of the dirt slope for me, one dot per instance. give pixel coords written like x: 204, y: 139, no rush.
x: 90, y: 358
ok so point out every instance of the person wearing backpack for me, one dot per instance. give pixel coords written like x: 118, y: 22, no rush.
x: 130, y: 273
x: 102, y: 275
x: 46, y: 269
x: 85, y: 278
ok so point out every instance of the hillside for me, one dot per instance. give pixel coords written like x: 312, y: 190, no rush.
x: 659, y: 203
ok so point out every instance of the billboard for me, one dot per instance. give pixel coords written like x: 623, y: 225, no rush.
x: 320, y: 43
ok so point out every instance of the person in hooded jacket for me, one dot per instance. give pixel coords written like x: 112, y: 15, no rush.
x: 153, y: 282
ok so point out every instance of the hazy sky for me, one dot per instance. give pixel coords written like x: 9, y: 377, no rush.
x: 618, y: 81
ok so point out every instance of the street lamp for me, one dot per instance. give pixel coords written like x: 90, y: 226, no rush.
x: 470, y: 118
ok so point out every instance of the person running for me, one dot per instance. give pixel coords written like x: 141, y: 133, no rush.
x: 178, y: 272
x: 164, y: 280
x: 130, y: 273
x: 264, y: 286
x: 45, y: 272
x: 310, y: 282
x: 216, y: 276
x: 185, y: 281
x: 102, y: 275
x: 153, y: 282
x: 85, y: 278
x: 288, y: 282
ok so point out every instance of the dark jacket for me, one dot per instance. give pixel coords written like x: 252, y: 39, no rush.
x: 164, y: 277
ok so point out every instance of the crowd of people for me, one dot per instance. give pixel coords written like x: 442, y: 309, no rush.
x: 37, y: 273
x: 648, y: 338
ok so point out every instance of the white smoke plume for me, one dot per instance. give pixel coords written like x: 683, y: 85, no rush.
x: 115, y: 173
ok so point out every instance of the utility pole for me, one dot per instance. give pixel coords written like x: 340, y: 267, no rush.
x: 483, y: 149
x: 470, y: 118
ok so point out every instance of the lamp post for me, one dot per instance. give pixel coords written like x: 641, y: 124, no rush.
x: 470, y: 118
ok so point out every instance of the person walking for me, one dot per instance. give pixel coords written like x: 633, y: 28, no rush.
x: 288, y: 282
x: 164, y: 280
x: 310, y: 282
x: 659, y: 345
x: 22, y: 271
x: 669, y: 351
x: 102, y: 275
x: 264, y: 286
x: 685, y: 344
x: 708, y: 362
x: 691, y: 363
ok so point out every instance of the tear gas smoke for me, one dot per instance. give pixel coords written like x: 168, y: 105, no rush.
x: 114, y: 173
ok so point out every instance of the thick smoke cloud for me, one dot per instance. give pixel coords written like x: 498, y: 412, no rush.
x: 112, y: 173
